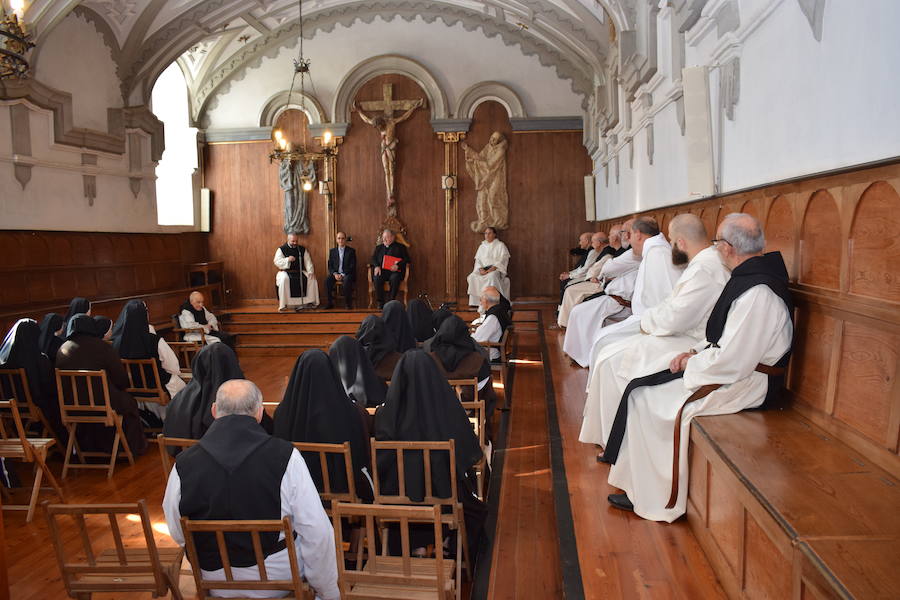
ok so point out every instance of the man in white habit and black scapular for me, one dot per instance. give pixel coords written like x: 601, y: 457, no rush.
x: 589, y: 283
x: 740, y: 364
x: 491, y: 262
x: 194, y: 315
x: 677, y: 322
x: 296, y: 281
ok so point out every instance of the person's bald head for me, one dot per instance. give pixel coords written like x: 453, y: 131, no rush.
x: 739, y: 237
x: 196, y: 299
x: 238, y: 397
x: 490, y: 296
x: 687, y: 234
x: 584, y: 240
x: 599, y: 241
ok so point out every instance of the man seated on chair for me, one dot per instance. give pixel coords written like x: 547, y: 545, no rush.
x: 295, y: 281
x: 341, y: 267
x: 211, y: 480
x: 391, y: 270
x: 195, y: 315
x: 494, y: 322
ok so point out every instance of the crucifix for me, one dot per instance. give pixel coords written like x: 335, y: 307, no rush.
x: 386, y: 124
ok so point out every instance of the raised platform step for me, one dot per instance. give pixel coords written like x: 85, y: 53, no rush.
x: 283, y: 350
x: 244, y: 327
x: 281, y: 338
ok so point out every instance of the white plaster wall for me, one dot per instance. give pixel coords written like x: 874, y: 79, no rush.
x: 455, y: 57
x: 74, y: 58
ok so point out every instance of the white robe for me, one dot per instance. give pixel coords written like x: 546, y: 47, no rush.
x: 758, y: 330
x: 284, y: 287
x: 675, y: 325
x: 170, y: 364
x: 187, y: 321
x: 586, y: 319
x: 488, y: 330
x: 578, y: 291
x: 656, y: 278
x: 489, y: 254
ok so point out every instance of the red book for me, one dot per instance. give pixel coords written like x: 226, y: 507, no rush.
x: 389, y: 261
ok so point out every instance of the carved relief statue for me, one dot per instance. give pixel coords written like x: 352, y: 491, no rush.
x: 296, y: 199
x: 488, y: 170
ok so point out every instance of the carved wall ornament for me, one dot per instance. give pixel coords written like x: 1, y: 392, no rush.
x: 90, y: 188
x: 730, y: 85
x: 489, y: 90
x: 20, y: 127
x: 487, y: 168
x: 650, y: 142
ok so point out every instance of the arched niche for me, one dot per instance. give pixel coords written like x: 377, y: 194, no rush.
x: 286, y: 100
x: 749, y: 207
x: 875, y: 243
x: 820, y: 255
x: 388, y: 64
x: 780, y: 231
x: 489, y: 90
x: 709, y: 216
x: 294, y: 127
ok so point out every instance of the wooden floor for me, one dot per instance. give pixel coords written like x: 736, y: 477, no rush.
x: 618, y: 554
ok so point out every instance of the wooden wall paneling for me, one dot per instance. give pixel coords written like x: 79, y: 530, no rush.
x: 709, y: 215
x: 767, y: 570
x: 814, y: 339
x: 726, y: 518
x: 780, y: 231
x: 875, y: 243
x: 820, y: 255
x: 698, y: 484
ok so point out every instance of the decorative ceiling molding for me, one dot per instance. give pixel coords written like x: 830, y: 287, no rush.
x: 489, y: 90
x: 279, y: 103
x: 388, y: 64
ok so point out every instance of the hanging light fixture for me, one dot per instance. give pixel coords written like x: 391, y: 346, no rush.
x: 15, y: 42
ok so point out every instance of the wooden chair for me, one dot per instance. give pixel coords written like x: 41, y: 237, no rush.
x: 14, y: 385
x: 84, y: 398
x: 145, y: 568
x: 180, y: 331
x: 478, y: 419
x: 339, y: 291
x: 185, y: 351
x: 32, y: 450
x: 144, y: 382
x: 403, y: 577
x: 402, y: 289
x: 295, y: 585
x: 165, y: 443
x: 452, y: 518
x: 502, y: 363
x: 324, y: 451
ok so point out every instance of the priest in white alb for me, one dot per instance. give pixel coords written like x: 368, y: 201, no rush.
x: 591, y: 283
x: 676, y: 323
x: 739, y: 365
x: 296, y: 280
x: 491, y: 262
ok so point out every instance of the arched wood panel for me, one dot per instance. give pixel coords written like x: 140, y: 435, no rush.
x: 875, y: 244
x: 709, y: 216
x: 779, y: 230
x: 820, y: 252
x: 813, y: 339
x: 749, y: 207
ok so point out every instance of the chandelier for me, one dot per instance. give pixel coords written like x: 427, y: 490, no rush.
x: 14, y: 43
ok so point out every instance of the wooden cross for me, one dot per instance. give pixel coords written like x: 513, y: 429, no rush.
x: 388, y: 105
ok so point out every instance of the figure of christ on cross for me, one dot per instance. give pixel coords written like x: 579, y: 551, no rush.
x: 386, y: 124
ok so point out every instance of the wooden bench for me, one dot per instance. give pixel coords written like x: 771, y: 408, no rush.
x: 783, y: 509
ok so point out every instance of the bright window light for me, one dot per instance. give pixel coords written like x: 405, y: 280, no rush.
x: 174, y: 185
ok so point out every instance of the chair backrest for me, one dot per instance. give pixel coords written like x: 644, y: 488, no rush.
x: 14, y: 385
x: 165, y: 443
x: 179, y: 331
x: 329, y: 453
x: 403, y: 573
x: 185, y: 351
x: 84, y: 397
x: 400, y: 450
x: 92, y: 571
x: 218, y: 529
x: 143, y: 380
x: 459, y: 384
x: 9, y: 411
x: 477, y: 418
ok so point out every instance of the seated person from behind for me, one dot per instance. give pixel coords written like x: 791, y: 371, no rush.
x: 491, y: 263
x: 494, y: 321
x: 380, y: 346
x: 389, y: 247
x: 211, y: 479
x: 195, y: 315
x: 341, y: 267
x: 295, y: 281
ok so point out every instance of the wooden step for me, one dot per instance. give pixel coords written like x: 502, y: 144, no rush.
x: 287, y: 326
x: 280, y: 338
x: 289, y: 350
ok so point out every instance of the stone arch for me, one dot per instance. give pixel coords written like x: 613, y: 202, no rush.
x: 388, y: 64
x: 278, y: 103
x: 489, y: 90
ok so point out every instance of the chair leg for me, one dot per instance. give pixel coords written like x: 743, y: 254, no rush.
x: 125, y: 446
x: 71, y: 429
x: 41, y: 460
x: 172, y: 575
x: 112, y: 455
x: 35, y: 490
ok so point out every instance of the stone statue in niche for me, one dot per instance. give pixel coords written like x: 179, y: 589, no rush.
x: 487, y: 168
x: 386, y: 124
x: 291, y: 175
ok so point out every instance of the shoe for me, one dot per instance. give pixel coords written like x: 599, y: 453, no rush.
x: 621, y: 501
x: 285, y: 309
x: 329, y: 306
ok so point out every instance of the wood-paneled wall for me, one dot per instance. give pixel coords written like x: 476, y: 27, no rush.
x: 839, y: 237
x: 544, y: 177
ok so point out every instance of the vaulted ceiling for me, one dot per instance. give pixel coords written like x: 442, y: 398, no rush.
x: 215, y: 39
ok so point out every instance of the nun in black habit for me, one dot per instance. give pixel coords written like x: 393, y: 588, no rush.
x: 78, y: 306
x: 421, y: 406
x: 316, y: 409
x: 420, y: 319
x: 438, y: 316
x: 21, y: 350
x: 379, y: 345
x: 52, y: 326
x: 356, y: 372
x: 84, y: 349
x: 104, y: 327
x: 397, y: 323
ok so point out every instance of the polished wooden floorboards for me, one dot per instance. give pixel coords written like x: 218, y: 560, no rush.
x: 618, y: 554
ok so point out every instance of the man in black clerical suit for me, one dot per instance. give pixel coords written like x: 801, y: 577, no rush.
x: 395, y: 274
x: 341, y: 267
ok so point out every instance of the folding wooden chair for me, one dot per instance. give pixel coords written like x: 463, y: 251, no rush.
x: 452, y: 519
x: 31, y: 450
x: 403, y: 577
x: 502, y: 363
x: 165, y: 443
x: 144, y: 382
x: 477, y: 417
x: 144, y: 568
x: 14, y: 385
x: 185, y: 351
x: 179, y: 331
x: 295, y: 585
x: 326, y: 452
x: 403, y: 288
x: 84, y: 398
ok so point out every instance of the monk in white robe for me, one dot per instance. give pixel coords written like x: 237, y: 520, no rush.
x: 491, y: 262
x: 751, y: 331
x: 676, y: 323
x: 576, y: 291
x: 296, y: 280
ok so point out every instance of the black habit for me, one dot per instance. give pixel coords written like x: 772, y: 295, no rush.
x: 356, y: 372
x: 50, y: 342
x: 420, y: 319
x: 379, y: 345
x: 296, y: 278
x: 398, y: 326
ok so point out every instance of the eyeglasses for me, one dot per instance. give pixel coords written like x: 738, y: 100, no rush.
x: 723, y: 240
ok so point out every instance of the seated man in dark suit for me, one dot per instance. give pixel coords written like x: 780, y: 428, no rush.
x: 341, y: 267
x: 397, y: 271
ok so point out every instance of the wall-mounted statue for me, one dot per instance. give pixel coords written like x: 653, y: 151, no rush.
x: 296, y: 200
x: 488, y: 170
